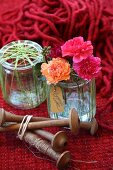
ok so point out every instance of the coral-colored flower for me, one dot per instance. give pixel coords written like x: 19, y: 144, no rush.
x: 56, y: 70
x: 88, y: 68
x: 77, y: 48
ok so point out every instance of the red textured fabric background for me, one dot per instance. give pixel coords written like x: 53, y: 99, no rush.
x: 51, y: 22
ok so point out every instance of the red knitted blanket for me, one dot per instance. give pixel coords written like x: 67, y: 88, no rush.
x: 51, y: 22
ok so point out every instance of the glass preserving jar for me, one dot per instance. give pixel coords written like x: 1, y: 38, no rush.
x: 22, y: 87
x: 64, y: 96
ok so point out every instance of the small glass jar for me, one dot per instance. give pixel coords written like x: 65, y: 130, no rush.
x: 23, y: 87
x: 79, y: 95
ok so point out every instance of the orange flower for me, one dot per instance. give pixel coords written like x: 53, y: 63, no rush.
x: 56, y: 70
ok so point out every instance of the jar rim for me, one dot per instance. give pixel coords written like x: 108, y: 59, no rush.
x: 73, y: 84
x: 33, y: 44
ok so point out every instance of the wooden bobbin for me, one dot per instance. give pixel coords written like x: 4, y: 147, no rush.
x: 9, y: 117
x: 92, y: 126
x: 58, y: 141
x: 62, y: 160
x: 72, y: 122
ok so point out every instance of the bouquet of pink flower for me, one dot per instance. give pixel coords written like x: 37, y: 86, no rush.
x: 75, y: 55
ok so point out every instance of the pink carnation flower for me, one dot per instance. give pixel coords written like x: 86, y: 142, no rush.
x: 88, y: 68
x: 77, y: 48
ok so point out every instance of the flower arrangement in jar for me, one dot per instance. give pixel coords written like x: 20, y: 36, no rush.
x: 70, y: 73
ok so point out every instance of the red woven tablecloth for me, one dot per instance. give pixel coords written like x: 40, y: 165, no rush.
x: 49, y: 22
x: 88, y: 152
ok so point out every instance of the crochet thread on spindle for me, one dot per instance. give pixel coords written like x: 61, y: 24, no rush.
x: 53, y: 22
